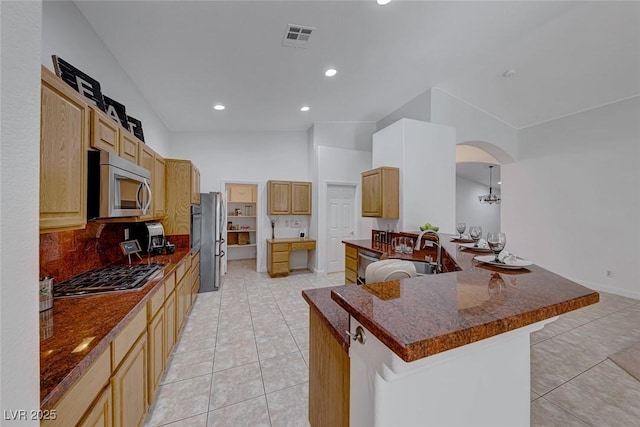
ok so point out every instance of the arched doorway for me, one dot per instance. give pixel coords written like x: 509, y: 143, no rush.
x: 473, y: 159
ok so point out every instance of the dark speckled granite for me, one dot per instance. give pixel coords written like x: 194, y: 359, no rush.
x: 332, y: 314
x: 100, y: 317
x: 427, y: 315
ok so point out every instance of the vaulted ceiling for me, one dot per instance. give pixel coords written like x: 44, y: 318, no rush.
x: 185, y: 56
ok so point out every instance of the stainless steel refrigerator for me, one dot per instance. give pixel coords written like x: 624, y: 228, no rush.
x: 211, y: 253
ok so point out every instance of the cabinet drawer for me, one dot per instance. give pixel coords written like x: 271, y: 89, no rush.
x: 121, y: 345
x: 280, y: 247
x: 350, y: 276
x: 303, y: 246
x: 169, y: 284
x: 351, y: 264
x: 195, y: 259
x: 280, y: 267
x: 281, y: 257
x: 156, y: 301
x: 180, y: 270
x: 351, y: 252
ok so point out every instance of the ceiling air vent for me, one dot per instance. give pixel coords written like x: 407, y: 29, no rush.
x: 297, y: 36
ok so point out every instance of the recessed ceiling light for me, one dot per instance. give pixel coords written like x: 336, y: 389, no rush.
x: 219, y: 107
x: 305, y: 108
x: 383, y: 2
x: 510, y: 72
x: 499, y: 182
x: 330, y: 72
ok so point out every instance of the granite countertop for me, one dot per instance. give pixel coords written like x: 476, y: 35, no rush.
x: 426, y: 315
x: 83, y: 328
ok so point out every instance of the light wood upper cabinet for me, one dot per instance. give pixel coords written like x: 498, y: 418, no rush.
x: 64, y: 138
x: 289, y: 198
x: 195, y: 185
x: 105, y: 132
x: 128, y: 147
x: 178, y: 196
x: 381, y: 193
x: 279, y: 195
x: 241, y: 193
x: 300, y: 198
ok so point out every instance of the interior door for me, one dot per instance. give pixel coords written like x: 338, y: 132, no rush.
x: 340, y: 223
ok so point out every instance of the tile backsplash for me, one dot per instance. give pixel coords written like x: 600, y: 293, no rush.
x: 65, y: 254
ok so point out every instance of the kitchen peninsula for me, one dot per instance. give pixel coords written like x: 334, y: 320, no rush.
x: 445, y: 349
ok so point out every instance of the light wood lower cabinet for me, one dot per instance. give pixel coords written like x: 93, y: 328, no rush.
x: 156, y: 333
x: 171, y: 331
x: 350, y: 264
x: 101, y: 414
x: 329, y: 377
x: 129, y: 387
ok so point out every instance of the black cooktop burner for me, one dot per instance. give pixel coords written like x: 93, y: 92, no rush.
x: 109, y: 279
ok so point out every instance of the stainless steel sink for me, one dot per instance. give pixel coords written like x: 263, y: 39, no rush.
x: 425, y: 267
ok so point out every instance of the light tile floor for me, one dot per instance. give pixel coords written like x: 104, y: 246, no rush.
x: 242, y: 359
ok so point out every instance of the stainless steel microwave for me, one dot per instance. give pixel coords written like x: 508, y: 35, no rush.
x: 116, y: 187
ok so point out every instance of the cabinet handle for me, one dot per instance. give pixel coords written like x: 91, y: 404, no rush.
x: 358, y: 336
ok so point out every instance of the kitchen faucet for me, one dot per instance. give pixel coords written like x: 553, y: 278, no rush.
x: 436, y: 242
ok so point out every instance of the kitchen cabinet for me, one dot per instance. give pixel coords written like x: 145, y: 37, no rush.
x: 100, y: 414
x: 180, y: 193
x: 156, y: 331
x: 64, y: 139
x: 242, y: 193
x: 195, y: 185
x: 381, y: 193
x: 171, y: 332
x: 129, y: 147
x: 158, y: 186
x: 105, y: 132
x: 289, y: 197
x: 329, y: 377
x: 129, y: 386
x: 350, y: 264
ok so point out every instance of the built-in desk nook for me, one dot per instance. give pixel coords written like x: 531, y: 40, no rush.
x: 279, y: 250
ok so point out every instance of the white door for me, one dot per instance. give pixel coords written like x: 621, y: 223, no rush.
x: 340, y: 220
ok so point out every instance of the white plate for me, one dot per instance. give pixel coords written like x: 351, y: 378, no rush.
x: 489, y: 259
x: 479, y: 249
x: 463, y: 240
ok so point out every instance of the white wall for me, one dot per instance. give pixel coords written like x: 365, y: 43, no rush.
x: 474, y: 126
x: 426, y: 155
x: 419, y: 108
x: 572, y: 201
x: 66, y: 33
x: 20, y: 26
x: 339, y: 152
x: 470, y: 211
x: 253, y: 157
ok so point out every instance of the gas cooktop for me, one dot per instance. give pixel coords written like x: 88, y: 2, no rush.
x: 109, y: 279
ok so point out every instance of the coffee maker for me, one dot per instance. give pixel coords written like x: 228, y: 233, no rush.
x: 151, y: 237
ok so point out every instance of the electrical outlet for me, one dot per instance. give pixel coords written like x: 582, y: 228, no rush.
x: 286, y: 223
x: 296, y: 222
x: 608, y: 273
x: 126, y: 234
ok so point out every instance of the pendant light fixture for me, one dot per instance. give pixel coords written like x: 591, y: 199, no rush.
x: 489, y: 199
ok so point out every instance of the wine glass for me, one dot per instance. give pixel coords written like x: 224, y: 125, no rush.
x: 475, y: 231
x: 460, y: 228
x: 496, y: 242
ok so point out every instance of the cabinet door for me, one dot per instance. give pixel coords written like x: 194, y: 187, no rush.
x: 301, y: 198
x: 170, y: 324
x: 158, y: 186
x: 64, y: 137
x: 129, y: 385
x: 105, y: 132
x: 195, y: 185
x: 147, y: 161
x: 279, y: 194
x: 128, y: 147
x: 100, y: 414
x: 371, y: 193
x: 156, y: 334
x: 242, y: 193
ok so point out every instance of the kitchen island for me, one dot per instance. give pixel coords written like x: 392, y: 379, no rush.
x: 446, y: 349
